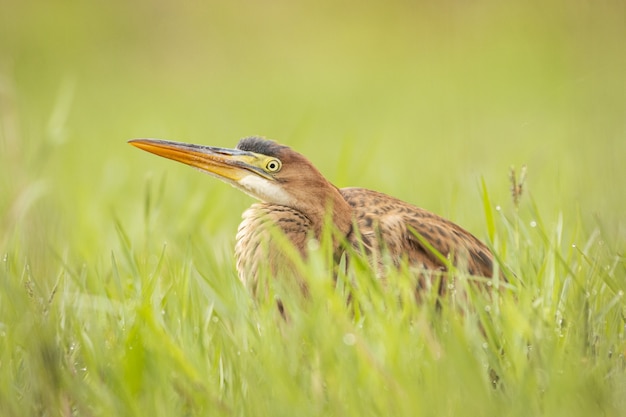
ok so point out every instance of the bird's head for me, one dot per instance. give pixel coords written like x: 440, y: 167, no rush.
x: 264, y: 169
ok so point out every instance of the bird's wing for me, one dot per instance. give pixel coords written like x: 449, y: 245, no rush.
x: 389, y: 225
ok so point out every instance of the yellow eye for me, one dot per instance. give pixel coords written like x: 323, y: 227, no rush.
x: 273, y: 165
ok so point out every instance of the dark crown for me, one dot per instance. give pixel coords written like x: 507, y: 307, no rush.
x: 260, y: 145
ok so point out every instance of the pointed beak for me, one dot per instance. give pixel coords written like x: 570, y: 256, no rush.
x: 226, y: 164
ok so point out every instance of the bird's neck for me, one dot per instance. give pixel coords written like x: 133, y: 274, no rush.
x: 334, y: 210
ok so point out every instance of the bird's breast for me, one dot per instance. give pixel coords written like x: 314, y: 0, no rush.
x: 261, y: 243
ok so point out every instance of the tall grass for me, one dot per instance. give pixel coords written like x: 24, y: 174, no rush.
x: 153, y: 332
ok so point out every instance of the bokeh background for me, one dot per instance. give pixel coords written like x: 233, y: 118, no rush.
x: 417, y: 99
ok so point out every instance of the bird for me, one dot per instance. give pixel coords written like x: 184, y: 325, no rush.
x: 298, y: 201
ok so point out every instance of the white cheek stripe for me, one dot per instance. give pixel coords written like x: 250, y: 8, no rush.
x: 264, y: 190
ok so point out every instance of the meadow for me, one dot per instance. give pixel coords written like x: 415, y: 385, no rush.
x: 118, y: 288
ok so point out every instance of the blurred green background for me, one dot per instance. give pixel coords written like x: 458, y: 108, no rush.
x: 118, y: 292
x: 416, y: 99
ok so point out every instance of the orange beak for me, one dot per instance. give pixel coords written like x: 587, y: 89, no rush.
x: 227, y: 164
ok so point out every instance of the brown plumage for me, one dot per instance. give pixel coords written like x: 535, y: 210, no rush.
x: 296, y: 199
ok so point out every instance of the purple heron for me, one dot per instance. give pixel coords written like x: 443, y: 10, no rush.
x: 297, y: 198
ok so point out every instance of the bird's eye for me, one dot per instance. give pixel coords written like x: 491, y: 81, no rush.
x: 273, y: 165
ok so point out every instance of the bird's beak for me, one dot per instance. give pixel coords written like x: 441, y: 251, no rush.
x: 228, y: 164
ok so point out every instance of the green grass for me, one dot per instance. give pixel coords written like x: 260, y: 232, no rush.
x: 118, y: 292
x: 153, y: 332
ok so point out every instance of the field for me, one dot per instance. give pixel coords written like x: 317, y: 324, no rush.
x: 118, y: 288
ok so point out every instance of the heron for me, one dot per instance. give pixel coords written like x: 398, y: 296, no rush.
x: 295, y: 198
